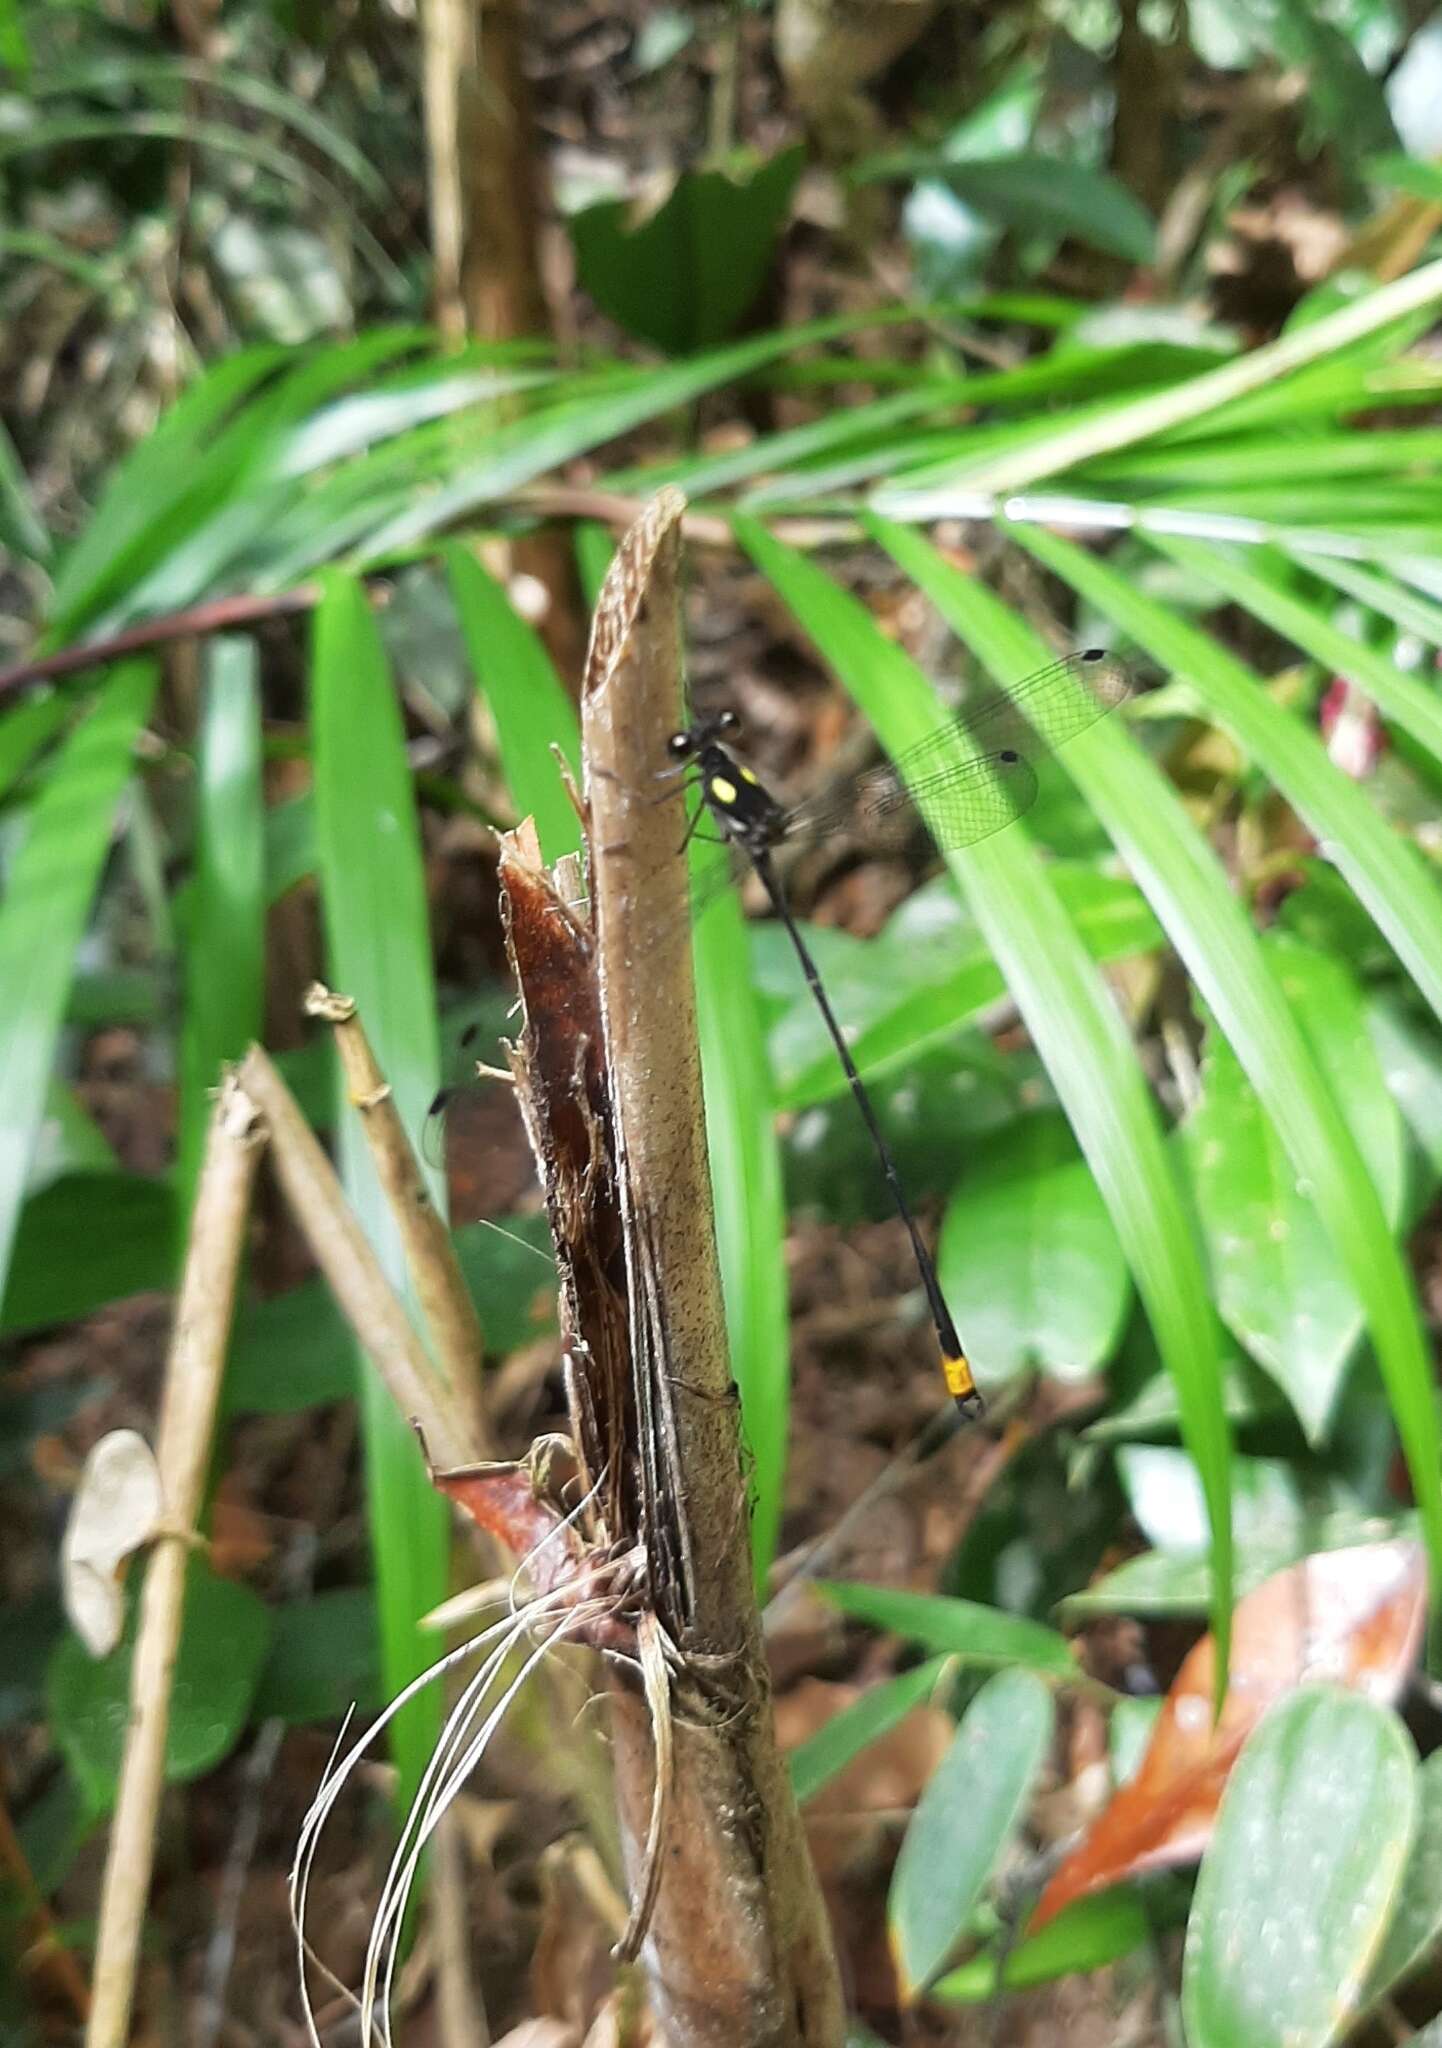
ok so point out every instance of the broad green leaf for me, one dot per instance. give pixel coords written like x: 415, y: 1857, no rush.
x: 1301, y: 1875
x: 1416, y: 1924
x: 295, y: 1350
x: 685, y: 276
x: 1067, y: 1008
x: 961, y: 1628
x: 50, y: 888
x: 378, y: 948
x: 880, y: 1708
x: 127, y: 1225
x: 1207, y: 926
x: 1178, y: 1584
x: 1029, y: 1261
x: 966, y: 1817
x: 225, y: 935
x: 928, y: 974
x: 1087, y: 1936
x: 1345, y: 103
x: 513, y: 673
x: 1276, y: 1509
x: 322, y: 1658
x: 1037, y: 195
x: 1280, y: 1289
x: 225, y: 1633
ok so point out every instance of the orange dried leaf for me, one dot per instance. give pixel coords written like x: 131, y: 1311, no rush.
x: 1349, y: 1617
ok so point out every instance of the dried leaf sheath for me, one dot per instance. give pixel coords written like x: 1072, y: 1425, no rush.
x: 608, y: 1075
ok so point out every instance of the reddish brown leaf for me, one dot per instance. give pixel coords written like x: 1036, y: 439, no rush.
x: 502, y: 1499
x: 1349, y: 1617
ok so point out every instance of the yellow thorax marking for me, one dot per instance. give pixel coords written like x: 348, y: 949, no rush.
x: 723, y: 791
x: 745, y: 773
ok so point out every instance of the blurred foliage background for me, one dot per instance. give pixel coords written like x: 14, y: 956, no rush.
x: 338, y: 345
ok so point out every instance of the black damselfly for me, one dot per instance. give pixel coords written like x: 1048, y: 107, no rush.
x: 967, y: 780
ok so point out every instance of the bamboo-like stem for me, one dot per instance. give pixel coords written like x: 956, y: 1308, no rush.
x: 445, y: 1301
x: 365, y: 1296
x: 192, y: 1388
x: 739, y: 1952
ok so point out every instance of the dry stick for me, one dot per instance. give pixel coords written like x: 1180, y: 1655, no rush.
x: 216, y: 615
x: 739, y: 1953
x: 441, y: 1291
x: 192, y: 1387
x: 44, y: 1959
x: 365, y: 1296
x: 456, y: 1344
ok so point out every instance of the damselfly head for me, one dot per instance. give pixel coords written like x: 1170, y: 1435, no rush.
x: 684, y: 746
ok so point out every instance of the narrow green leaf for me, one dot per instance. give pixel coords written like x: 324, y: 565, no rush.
x: 1301, y: 1875
x: 20, y: 528
x: 152, y: 486
x: 1196, y: 399
x: 966, y: 1817
x: 1173, y: 865
x: 1069, y: 1012
x: 1279, y: 1286
x: 880, y: 1708
x: 1086, y: 1937
x: 25, y: 728
x: 51, y: 885
x: 749, y: 1201
x: 70, y: 1141
x: 289, y: 844
x: 612, y: 405
x: 961, y: 1628
x: 1382, y: 594
x: 1406, y: 174
x: 513, y: 672
x: 1028, y: 1257
x: 1256, y: 584
x: 225, y: 936
x: 378, y: 946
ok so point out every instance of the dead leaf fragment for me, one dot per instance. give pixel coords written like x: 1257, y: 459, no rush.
x: 118, y: 1507
x: 1346, y: 1617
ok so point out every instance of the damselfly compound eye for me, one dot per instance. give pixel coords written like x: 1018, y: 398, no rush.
x: 679, y: 746
x: 727, y: 721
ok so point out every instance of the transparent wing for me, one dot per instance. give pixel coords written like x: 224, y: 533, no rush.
x: 973, y: 775
x: 958, y: 805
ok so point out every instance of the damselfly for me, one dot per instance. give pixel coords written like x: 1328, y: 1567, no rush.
x: 969, y: 779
